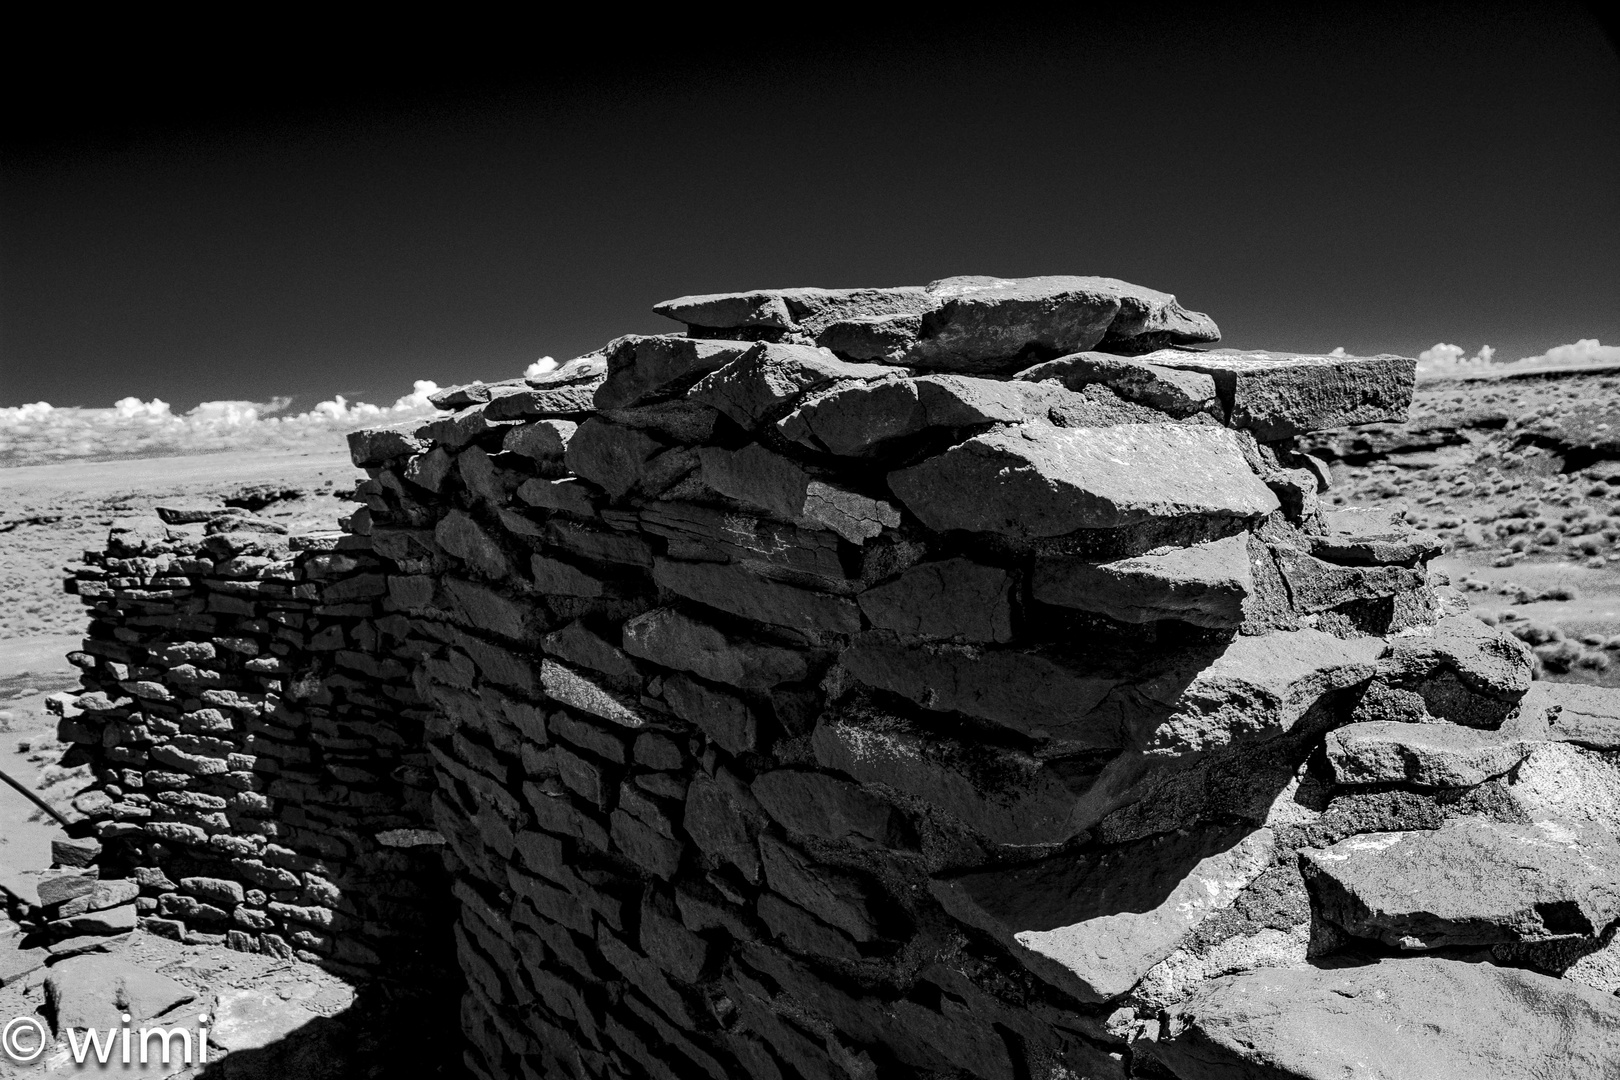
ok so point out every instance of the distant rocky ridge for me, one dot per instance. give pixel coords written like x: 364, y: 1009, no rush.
x: 963, y: 680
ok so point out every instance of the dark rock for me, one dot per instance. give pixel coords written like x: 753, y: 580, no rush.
x: 370, y: 447
x: 676, y: 641
x: 1419, y: 1017
x: 1315, y: 585
x: 1007, y: 796
x: 783, y: 489
x: 724, y: 718
x: 764, y: 381
x: 464, y: 538
x: 838, y: 899
x: 1094, y: 924
x: 719, y: 824
x: 951, y: 599
x: 1036, y: 481
x: 557, y: 578
x: 1205, y: 584
x: 1279, y: 395
x: 1470, y: 882
x: 578, y: 645
x: 828, y: 808
x: 643, y: 368
x: 857, y: 418
x: 615, y: 458
x: 1022, y: 690
x: 734, y: 589
x: 545, y: 440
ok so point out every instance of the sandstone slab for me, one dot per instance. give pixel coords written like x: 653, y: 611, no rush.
x: 678, y: 641
x: 1423, y: 755
x: 1031, y: 693
x: 1471, y: 882
x: 640, y: 369
x: 1421, y: 1018
x: 1094, y: 924
x: 763, y: 382
x: 1172, y: 391
x: 829, y: 808
x: 1372, y: 536
x: 858, y: 419
x: 731, y: 588
x: 1251, y: 689
x: 1467, y: 672
x: 1586, y: 715
x: 92, y: 991
x: 1006, y: 796
x: 1277, y: 395
x: 949, y: 599
x: 1204, y: 584
x: 1035, y: 481
x: 785, y: 490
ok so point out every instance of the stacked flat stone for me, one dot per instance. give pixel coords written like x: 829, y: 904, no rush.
x: 925, y: 682
x: 257, y: 741
x: 961, y: 681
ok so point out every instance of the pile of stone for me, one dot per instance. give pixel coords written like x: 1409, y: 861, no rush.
x: 63, y: 911
x: 939, y: 681
x: 959, y: 681
x: 257, y: 741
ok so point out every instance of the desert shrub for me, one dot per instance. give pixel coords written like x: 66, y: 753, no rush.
x: 1558, y: 656
x: 1535, y: 633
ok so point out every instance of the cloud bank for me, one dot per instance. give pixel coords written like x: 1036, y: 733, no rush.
x: 39, y: 433
x: 1452, y: 361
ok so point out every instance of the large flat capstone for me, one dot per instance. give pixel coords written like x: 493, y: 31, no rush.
x: 1277, y: 395
x: 1094, y: 924
x: 1204, y: 584
x: 960, y: 323
x: 1424, y: 755
x: 1035, y: 481
x: 1421, y: 1018
x: 92, y: 992
x: 1471, y: 882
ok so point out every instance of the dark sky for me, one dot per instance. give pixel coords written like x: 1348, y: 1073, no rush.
x: 349, y: 216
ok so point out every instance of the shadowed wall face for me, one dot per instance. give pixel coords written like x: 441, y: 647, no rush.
x: 1376, y: 180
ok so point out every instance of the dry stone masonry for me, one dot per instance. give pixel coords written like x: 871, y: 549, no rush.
x: 957, y: 681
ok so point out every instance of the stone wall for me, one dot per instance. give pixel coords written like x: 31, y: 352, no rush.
x: 249, y: 714
x: 935, y: 682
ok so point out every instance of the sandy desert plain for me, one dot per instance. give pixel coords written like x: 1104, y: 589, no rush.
x: 1519, y: 476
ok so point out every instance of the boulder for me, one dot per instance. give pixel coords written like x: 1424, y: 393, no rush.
x: 464, y: 538
x: 858, y: 419
x: 960, y: 323
x: 782, y: 488
x: 1422, y: 755
x: 371, y: 447
x: 1035, y: 481
x: 760, y: 384
x: 988, y: 323
x: 1174, y: 392
x: 734, y: 589
x: 677, y: 641
x: 1204, y: 584
x: 543, y: 440
x: 1471, y: 882
x: 1278, y: 395
x: 1092, y: 924
x: 1006, y: 796
x: 829, y: 808
x: 1372, y: 536
x: 641, y: 369
x: 1034, y: 694
x: 1576, y: 713
x: 949, y: 599
x: 615, y: 458
x: 1421, y: 1018
x: 1250, y: 689
x: 92, y: 991
x: 1466, y: 672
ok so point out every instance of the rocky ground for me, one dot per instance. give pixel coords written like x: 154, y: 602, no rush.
x: 1521, y: 478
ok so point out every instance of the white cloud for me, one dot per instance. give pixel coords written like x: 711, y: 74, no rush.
x: 1449, y: 361
x: 38, y: 432
x: 540, y: 367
